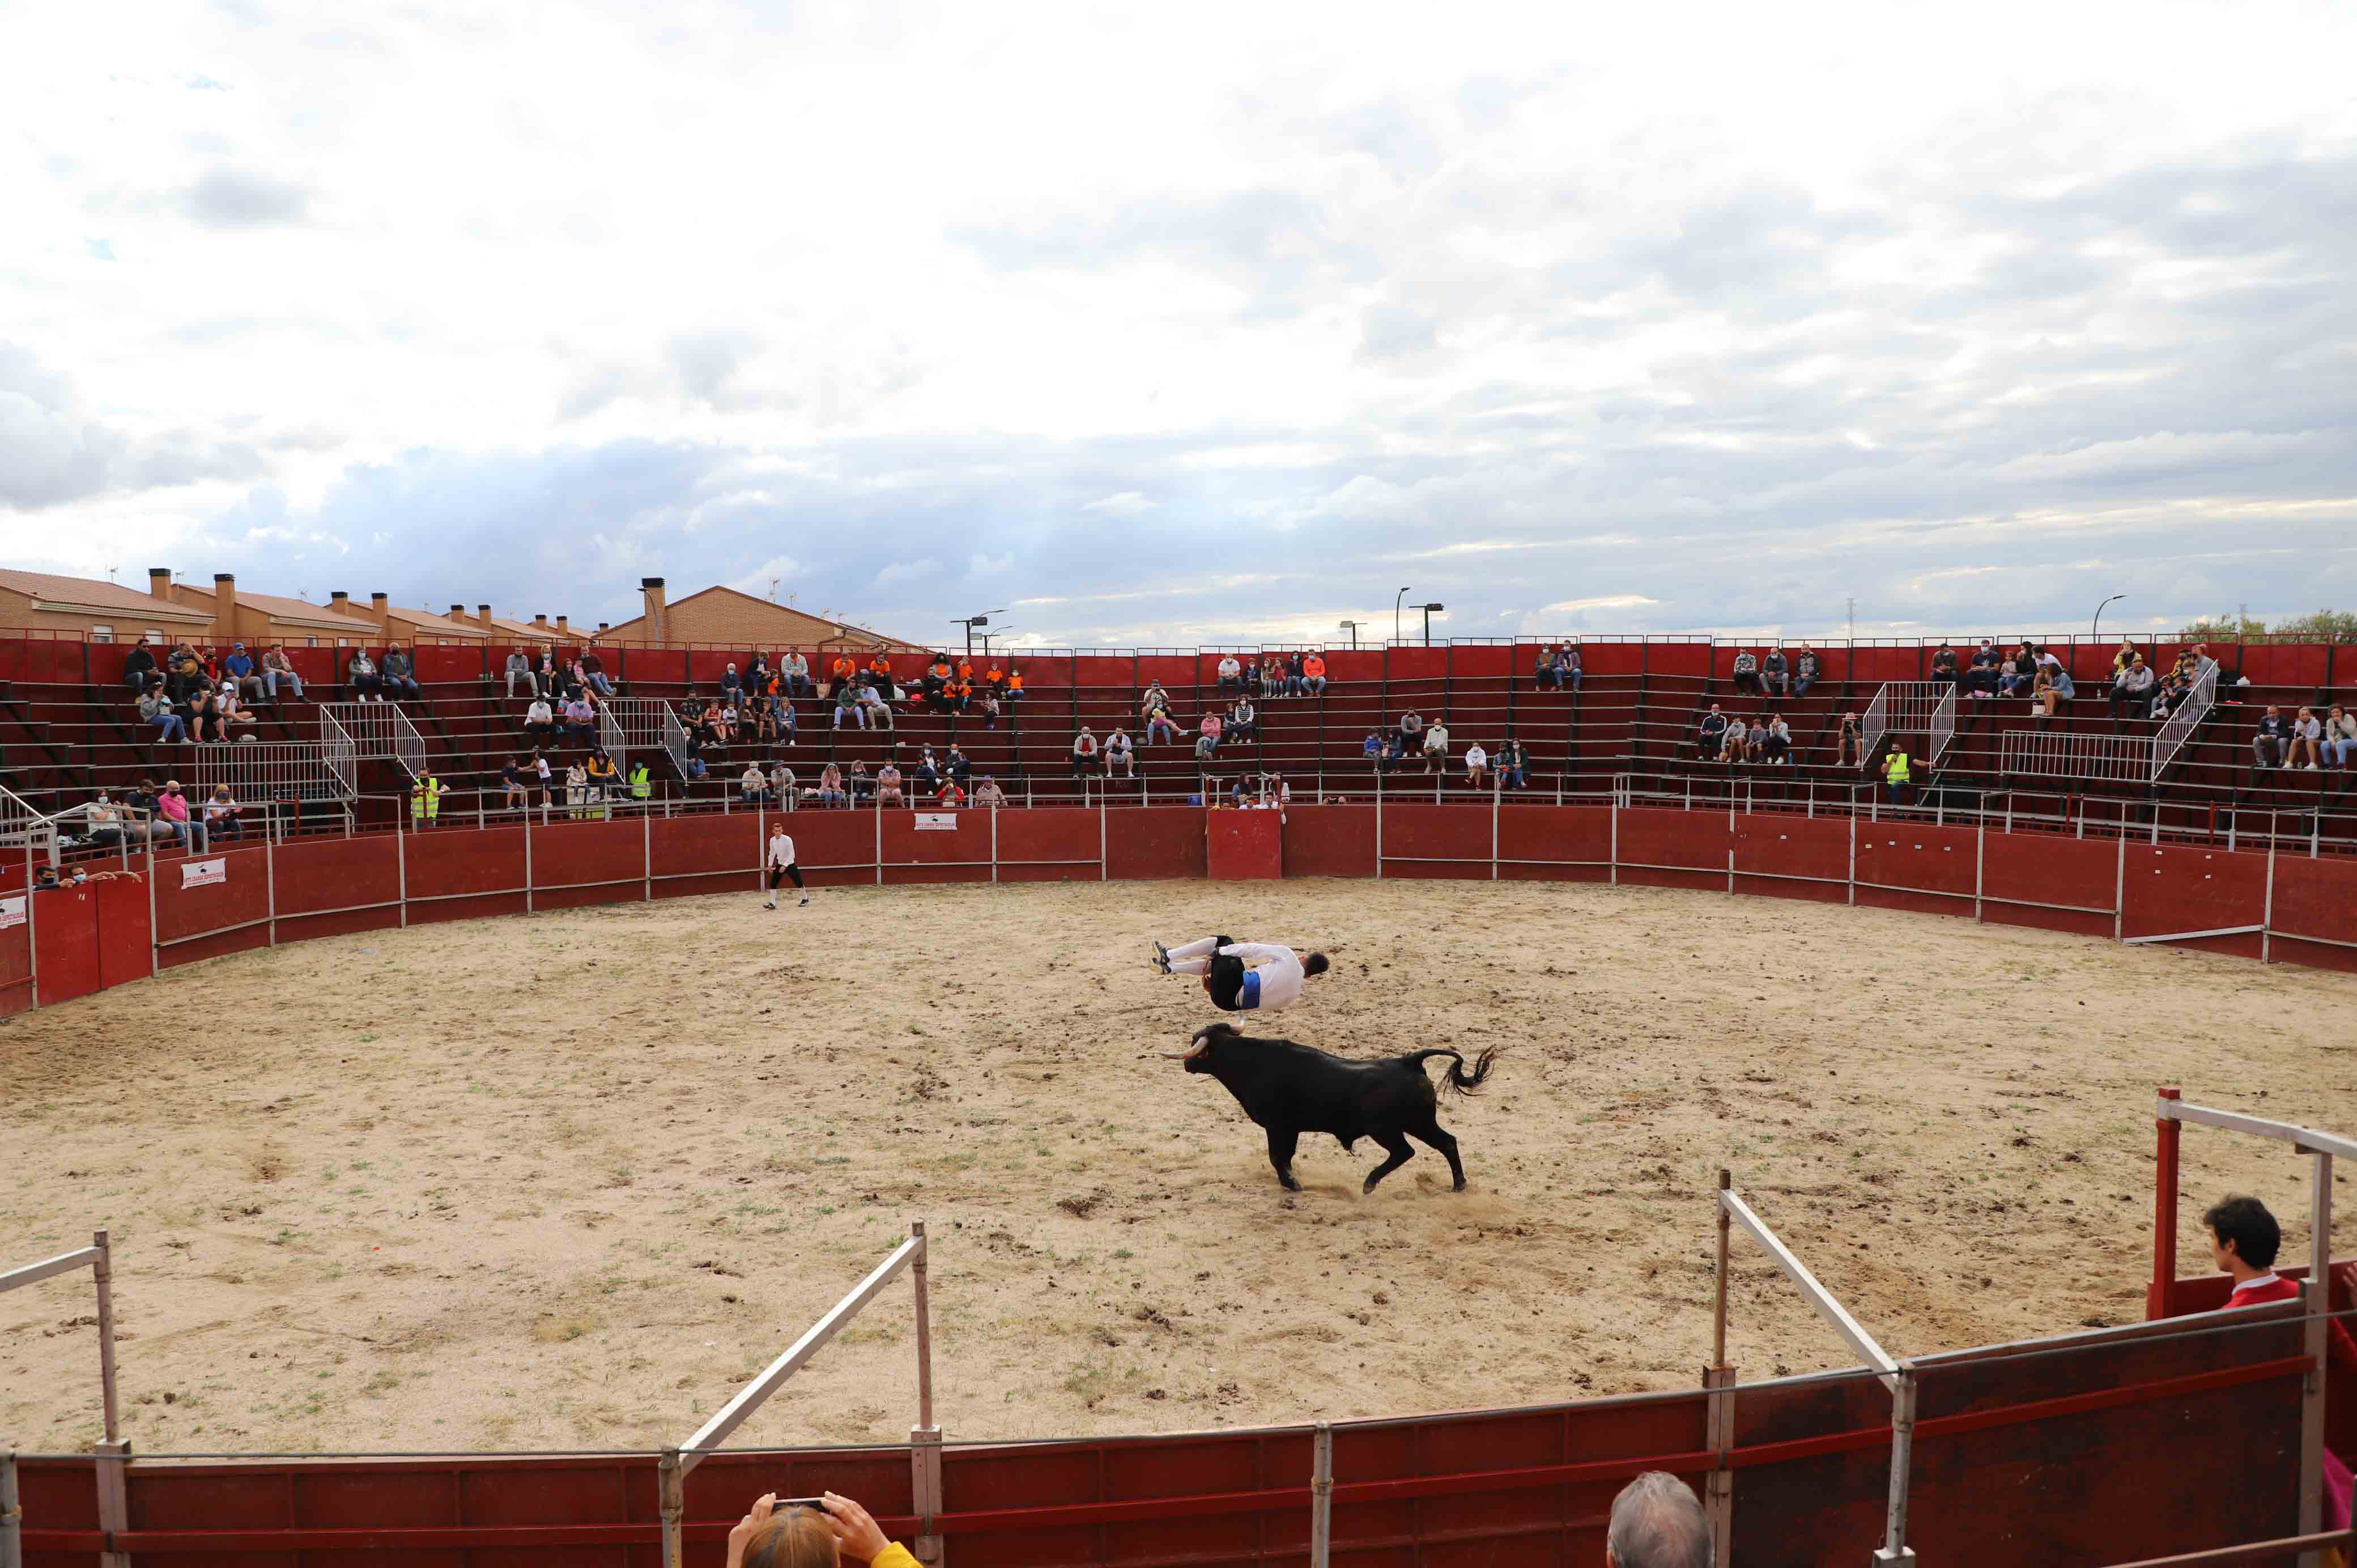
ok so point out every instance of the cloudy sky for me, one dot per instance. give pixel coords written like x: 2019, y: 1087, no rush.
x: 1165, y: 324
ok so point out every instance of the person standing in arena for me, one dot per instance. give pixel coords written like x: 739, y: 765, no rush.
x: 1242, y: 977
x: 783, y: 865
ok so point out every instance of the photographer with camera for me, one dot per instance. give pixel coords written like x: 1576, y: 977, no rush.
x: 812, y: 1532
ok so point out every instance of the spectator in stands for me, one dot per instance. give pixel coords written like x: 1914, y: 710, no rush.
x: 2132, y: 688
x: 1120, y: 754
x: 1156, y: 697
x: 1373, y: 748
x: 1710, y: 736
x: 1746, y: 672
x: 1232, y: 674
x: 927, y: 771
x: 576, y: 790
x: 1513, y: 765
x: 242, y: 674
x: 1395, y: 752
x: 544, y: 668
x: 1207, y: 735
x: 156, y: 708
x: 539, y: 721
x: 1477, y: 766
x: 400, y: 676
x: 1943, y: 666
x: 1013, y: 692
x: 1313, y: 676
x: 1272, y: 677
x: 862, y: 786
x: 1545, y: 677
x: 732, y: 685
x: 795, y: 671
x: 1776, y: 744
x: 2340, y: 737
x: 841, y: 671
x: 781, y: 787
x: 592, y: 673
x: 2127, y: 656
x: 362, y: 676
x: 1244, y: 721
x: 1657, y: 1522
x: 2058, y: 676
x: 888, y: 785
x: 210, y: 722
x: 2010, y: 677
x: 1981, y: 676
x: 1084, y: 753
x: 846, y: 705
x: 2267, y: 743
x: 224, y: 814
x: 951, y: 796
x: 2042, y: 694
x: 172, y: 815
x: 879, y: 674
x: 183, y: 673
x: 1411, y: 731
x: 1806, y: 670
x: 2307, y: 730
x: 547, y: 777
x: 1898, y: 771
x: 1776, y: 674
x: 511, y: 784
x: 1436, y: 745
x: 519, y: 668
x: 988, y: 793
x: 994, y: 679
x: 139, y: 670
x: 605, y: 779
x: 1736, y: 745
x: 232, y: 710
x: 830, y: 787
x: 581, y: 721
x: 103, y: 823
x: 957, y: 766
x: 1293, y: 687
x: 873, y: 711
x: 1159, y: 724
x: 1566, y: 667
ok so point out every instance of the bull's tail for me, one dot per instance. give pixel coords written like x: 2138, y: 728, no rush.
x: 1457, y: 1078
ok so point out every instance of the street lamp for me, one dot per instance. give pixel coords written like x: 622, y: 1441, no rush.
x: 970, y: 622
x: 2094, y: 632
x: 1395, y: 610
x: 1353, y: 627
x: 1427, y: 610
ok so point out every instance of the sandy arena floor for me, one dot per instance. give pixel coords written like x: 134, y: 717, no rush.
x: 567, y: 1181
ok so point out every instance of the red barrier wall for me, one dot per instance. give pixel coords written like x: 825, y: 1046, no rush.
x: 958, y: 852
x: 578, y: 863
x: 460, y: 874
x: 1793, y: 857
x: 1329, y: 841
x: 1066, y: 843
x: 16, y: 955
x: 65, y: 943
x: 2166, y: 890
x: 1431, y: 840
x: 1655, y: 845
x: 2317, y: 900
x: 2024, y: 877
x: 1554, y: 844
x: 1911, y: 867
x: 1160, y: 842
x: 1245, y: 846
x: 327, y: 887
x: 208, y: 920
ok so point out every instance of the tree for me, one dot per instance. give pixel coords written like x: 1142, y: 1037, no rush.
x: 2324, y: 626
x: 2226, y: 627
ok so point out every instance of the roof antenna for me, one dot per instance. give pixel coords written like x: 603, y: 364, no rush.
x: 773, y: 588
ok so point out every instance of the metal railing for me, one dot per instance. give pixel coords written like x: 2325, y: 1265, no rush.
x: 2067, y: 754
x: 339, y: 751
x: 2188, y: 714
x: 1872, y: 726
x: 644, y: 723
x: 1927, y: 708
x: 283, y: 769
x: 18, y: 817
x: 378, y: 729
x: 610, y: 737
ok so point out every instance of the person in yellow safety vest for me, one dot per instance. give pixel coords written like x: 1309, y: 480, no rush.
x: 425, y: 801
x: 1895, y: 771
x: 643, y: 782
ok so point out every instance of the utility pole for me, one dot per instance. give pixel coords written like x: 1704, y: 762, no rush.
x: 1852, y: 618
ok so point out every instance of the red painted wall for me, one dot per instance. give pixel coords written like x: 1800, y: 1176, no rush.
x: 1245, y: 846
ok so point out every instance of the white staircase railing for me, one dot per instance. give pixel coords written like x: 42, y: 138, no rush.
x: 611, y: 736
x: 646, y: 724
x: 337, y: 749
x: 265, y: 770
x: 2069, y: 754
x: 1926, y: 708
x: 2179, y: 727
x: 378, y: 729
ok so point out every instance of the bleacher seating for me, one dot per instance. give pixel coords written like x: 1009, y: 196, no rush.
x: 68, y: 725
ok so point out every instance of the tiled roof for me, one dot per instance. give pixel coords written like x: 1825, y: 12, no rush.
x: 97, y: 594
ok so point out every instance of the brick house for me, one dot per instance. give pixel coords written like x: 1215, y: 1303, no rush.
x: 726, y: 617
x: 75, y: 607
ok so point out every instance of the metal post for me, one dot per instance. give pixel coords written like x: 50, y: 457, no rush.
x: 1612, y: 817
x: 1321, y: 1495
x: 1378, y: 815
x: 647, y: 850
x: 527, y: 868
x: 113, y: 1455
x: 104, y: 1271
x: 2318, y: 1293
x: 670, y: 1505
x: 12, y: 1514
x: 2267, y: 908
x: 925, y: 1438
x: 2164, y: 1211
x: 1895, y: 1550
x: 401, y: 860
x: 155, y: 951
x: 880, y: 833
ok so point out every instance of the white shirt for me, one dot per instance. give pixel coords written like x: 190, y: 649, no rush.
x: 539, y: 713
x: 1475, y: 756
x: 753, y: 779
x: 1435, y: 738
x: 1275, y: 978
x: 1229, y: 668
x: 782, y: 849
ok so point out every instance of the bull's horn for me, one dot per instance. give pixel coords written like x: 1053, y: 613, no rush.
x: 1174, y: 1055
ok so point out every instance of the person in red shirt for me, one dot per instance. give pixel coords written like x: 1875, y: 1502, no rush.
x: 2244, y: 1240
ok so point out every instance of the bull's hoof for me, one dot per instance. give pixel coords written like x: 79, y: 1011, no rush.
x: 1290, y: 1185
x: 1457, y: 1186
x: 1367, y: 1187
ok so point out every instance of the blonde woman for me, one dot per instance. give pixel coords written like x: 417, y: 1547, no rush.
x: 2041, y: 694
x: 800, y: 1535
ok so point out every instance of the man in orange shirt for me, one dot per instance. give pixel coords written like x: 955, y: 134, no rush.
x: 1014, y: 685
x: 840, y: 673
x: 996, y: 680
x: 1313, y: 673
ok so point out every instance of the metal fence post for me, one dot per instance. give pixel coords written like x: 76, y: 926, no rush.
x: 925, y: 1438
x: 12, y: 1514
x: 1718, y: 1499
x: 2318, y: 1292
x: 670, y: 1505
x: 1895, y: 1550
x: 1321, y: 1495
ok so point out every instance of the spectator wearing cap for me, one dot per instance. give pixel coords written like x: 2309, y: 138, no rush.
x: 242, y: 673
x: 988, y: 793
x: 1156, y: 697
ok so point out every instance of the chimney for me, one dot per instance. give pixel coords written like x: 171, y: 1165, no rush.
x: 562, y: 629
x: 159, y: 582
x: 602, y: 629
x: 540, y: 623
x: 225, y: 607
x: 483, y: 617
x: 458, y: 614
x: 381, y: 606
x: 658, y: 624
x: 339, y: 600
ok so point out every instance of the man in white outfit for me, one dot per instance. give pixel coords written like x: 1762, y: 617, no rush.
x: 1242, y: 977
x: 783, y: 865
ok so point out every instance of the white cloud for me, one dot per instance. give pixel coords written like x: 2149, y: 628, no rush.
x: 1128, y: 504
x: 774, y: 574
x: 907, y: 572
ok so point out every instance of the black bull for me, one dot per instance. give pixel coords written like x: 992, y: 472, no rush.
x: 1290, y: 1089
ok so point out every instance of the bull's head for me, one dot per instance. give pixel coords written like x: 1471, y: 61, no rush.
x: 1208, y: 1043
